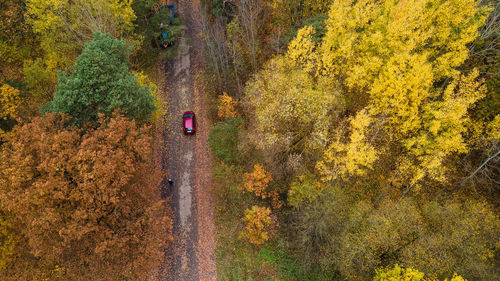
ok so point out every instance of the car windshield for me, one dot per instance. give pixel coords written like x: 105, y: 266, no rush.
x: 189, y: 115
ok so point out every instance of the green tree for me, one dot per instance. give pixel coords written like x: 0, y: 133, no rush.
x: 101, y: 82
x: 293, y: 12
x: 41, y: 82
x: 223, y: 139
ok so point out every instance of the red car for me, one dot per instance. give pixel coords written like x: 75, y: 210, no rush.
x: 188, y: 119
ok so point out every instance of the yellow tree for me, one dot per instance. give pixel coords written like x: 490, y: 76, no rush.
x: 292, y: 111
x: 257, y: 222
x: 395, y: 64
x: 9, y: 103
x: 227, y: 106
x: 64, y: 26
x: 398, y: 273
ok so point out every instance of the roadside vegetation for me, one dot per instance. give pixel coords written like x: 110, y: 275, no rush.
x: 79, y: 193
x: 355, y: 140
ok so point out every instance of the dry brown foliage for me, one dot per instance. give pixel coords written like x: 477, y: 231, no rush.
x: 85, y: 202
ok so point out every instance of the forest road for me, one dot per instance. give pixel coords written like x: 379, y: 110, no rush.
x: 186, y: 158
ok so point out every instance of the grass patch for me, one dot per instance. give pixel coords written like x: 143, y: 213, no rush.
x: 237, y: 259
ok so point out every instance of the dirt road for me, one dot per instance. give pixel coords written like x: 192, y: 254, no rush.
x: 186, y: 159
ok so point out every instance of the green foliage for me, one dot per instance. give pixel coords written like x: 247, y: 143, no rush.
x: 461, y: 236
x: 145, y: 53
x: 236, y: 259
x: 375, y: 237
x: 289, y: 267
x: 221, y: 8
x: 223, y: 139
x: 332, y: 229
x: 316, y: 22
x: 101, y: 82
x: 41, y: 82
x: 316, y: 222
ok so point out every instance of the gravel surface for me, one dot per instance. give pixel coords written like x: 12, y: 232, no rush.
x: 186, y: 159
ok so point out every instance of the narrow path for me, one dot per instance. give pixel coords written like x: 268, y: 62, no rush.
x: 186, y: 159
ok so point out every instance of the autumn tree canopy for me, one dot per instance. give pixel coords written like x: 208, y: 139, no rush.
x: 64, y: 26
x: 101, y: 82
x: 390, y: 68
x: 380, y: 114
x: 84, y: 202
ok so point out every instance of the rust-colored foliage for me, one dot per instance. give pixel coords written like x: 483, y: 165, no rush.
x: 257, y: 182
x: 85, y: 201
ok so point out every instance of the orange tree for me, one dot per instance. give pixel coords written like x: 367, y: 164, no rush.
x: 85, y: 203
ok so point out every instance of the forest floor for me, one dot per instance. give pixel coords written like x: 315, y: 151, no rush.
x: 186, y: 158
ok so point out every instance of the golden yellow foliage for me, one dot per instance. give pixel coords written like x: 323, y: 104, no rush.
x: 352, y: 157
x: 301, y: 51
x: 292, y: 110
x: 257, y: 222
x: 398, y: 273
x: 493, y: 129
x: 441, y: 131
x: 83, y: 17
x: 64, y: 25
x: 161, y: 106
x: 227, y: 106
x: 9, y: 101
x: 388, y: 58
